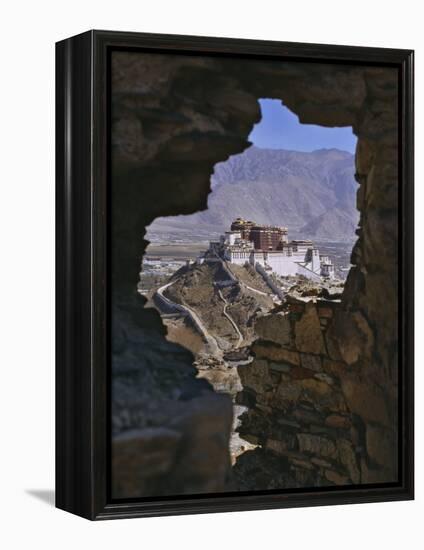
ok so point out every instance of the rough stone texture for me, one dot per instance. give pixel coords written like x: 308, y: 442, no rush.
x: 309, y: 337
x: 338, y: 421
x: 179, y: 458
x: 366, y: 400
x: 257, y: 376
x: 173, y: 119
x: 170, y: 430
x: 142, y: 457
x: 330, y: 423
x: 379, y: 442
x: 275, y: 353
x: 349, y: 337
x: 275, y: 328
x: 315, y: 444
x: 312, y: 362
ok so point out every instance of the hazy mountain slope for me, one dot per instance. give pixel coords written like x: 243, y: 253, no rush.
x: 313, y: 194
x: 330, y: 224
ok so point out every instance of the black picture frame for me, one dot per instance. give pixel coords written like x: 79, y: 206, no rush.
x: 82, y: 171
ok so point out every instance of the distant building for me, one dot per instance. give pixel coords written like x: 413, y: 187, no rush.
x: 268, y: 247
x: 264, y: 237
x: 243, y: 226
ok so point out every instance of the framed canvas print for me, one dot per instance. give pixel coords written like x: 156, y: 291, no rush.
x: 234, y: 274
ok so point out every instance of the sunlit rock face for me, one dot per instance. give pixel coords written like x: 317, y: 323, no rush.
x: 173, y: 119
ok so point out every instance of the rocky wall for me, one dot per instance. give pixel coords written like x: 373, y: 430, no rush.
x: 308, y: 405
x: 173, y: 118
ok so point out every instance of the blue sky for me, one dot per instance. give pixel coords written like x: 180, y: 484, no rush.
x: 280, y: 129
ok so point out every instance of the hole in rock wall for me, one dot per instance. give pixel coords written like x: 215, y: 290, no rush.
x: 280, y: 223
x: 263, y: 314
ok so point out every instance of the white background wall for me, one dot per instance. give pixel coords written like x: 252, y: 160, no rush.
x: 28, y: 32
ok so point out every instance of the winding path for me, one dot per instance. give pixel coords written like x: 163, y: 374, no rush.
x: 210, y: 340
x: 243, y: 284
x: 255, y: 290
x: 236, y: 279
x: 186, y: 310
x: 234, y: 324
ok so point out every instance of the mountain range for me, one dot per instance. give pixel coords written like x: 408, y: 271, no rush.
x: 311, y: 193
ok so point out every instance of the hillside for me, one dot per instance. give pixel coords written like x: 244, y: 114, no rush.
x: 196, y: 287
x: 313, y: 194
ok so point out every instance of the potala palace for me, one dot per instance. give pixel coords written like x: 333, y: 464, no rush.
x: 268, y: 247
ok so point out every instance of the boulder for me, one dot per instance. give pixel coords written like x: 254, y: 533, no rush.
x: 308, y: 335
x: 286, y: 395
x: 140, y: 456
x: 255, y: 375
x: 322, y: 396
x: 349, y: 337
x: 272, y: 352
x: 317, y: 445
x: 310, y: 361
x: 275, y: 328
